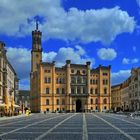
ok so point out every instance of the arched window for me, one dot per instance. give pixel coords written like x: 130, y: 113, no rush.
x: 105, y: 101
x: 96, y: 101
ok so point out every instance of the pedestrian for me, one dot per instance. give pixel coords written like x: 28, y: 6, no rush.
x: 27, y: 113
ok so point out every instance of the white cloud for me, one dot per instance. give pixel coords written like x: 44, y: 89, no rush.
x: 130, y: 61
x: 120, y: 76
x: 134, y: 48
x: 77, y: 55
x: 138, y: 2
x: 85, y: 26
x: 20, y: 58
x: 107, y: 54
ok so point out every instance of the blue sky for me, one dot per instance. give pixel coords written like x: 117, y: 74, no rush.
x: 105, y: 32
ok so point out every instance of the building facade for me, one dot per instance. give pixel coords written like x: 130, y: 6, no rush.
x: 125, y: 95
x: 24, y: 99
x: 70, y: 88
x: 8, y: 79
x: 128, y: 92
x: 134, y: 89
x: 116, y: 97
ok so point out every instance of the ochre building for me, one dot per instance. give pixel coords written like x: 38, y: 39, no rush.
x: 70, y: 88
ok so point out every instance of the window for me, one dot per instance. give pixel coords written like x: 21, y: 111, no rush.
x: 84, y: 80
x: 105, y: 82
x: 105, y: 90
x: 96, y: 82
x: 57, y: 101
x: 78, y: 90
x: 96, y: 101
x: 91, y: 91
x: 84, y: 90
x: 79, y: 79
x: 105, y: 101
x: 96, y: 91
x: 91, y: 101
x: 57, y: 91
x: 72, y: 71
x: 47, y: 90
x: 63, y: 109
x: 63, y: 102
x: 72, y: 90
x: 47, y: 71
x: 90, y: 81
x: 60, y: 80
x: 73, y: 80
x: 63, y: 91
x: 105, y: 74
x: 47, y: 101
x: 84, y: 71
x: 47, y: 80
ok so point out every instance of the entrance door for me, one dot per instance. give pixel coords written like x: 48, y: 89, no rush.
x: 78, y: 106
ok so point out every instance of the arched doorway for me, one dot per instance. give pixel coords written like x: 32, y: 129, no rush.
x: 78, y: 106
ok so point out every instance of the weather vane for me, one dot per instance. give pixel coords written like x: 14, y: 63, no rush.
x: 36, y: 25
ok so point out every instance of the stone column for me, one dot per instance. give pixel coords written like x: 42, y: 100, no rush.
x: 68, y: 86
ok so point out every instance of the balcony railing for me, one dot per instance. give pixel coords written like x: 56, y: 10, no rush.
x: 79, y: 94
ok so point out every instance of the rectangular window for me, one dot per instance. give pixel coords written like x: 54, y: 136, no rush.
x: 47, y: 101
x: 57, y: 101
x: 47, y: 71
x: 63, y: 91
x: 57, y: 91
x: 96, y: 91
x: 105, y: 74
x: 63, y: 102
x: 47, y: 80
x: 47, y: 90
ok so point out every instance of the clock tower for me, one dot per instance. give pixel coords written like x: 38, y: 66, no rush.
x: 36, y: 53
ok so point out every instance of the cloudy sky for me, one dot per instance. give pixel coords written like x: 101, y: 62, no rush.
x: 104, y: 32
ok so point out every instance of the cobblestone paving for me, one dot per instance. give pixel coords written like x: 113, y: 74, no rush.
x: 73, y: 126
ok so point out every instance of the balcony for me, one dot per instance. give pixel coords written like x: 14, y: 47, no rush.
x: 78, y: 84
x: 79, y: 95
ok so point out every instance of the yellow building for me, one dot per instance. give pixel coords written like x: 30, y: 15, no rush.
x: 116, y: 97
x: 70, y: 88
x: 125, y: 94
x: 8, y: 82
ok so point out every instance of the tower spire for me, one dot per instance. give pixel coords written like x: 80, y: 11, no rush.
x: 36, y: 25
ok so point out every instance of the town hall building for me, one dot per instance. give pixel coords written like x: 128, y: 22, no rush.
x: 70, y: 88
